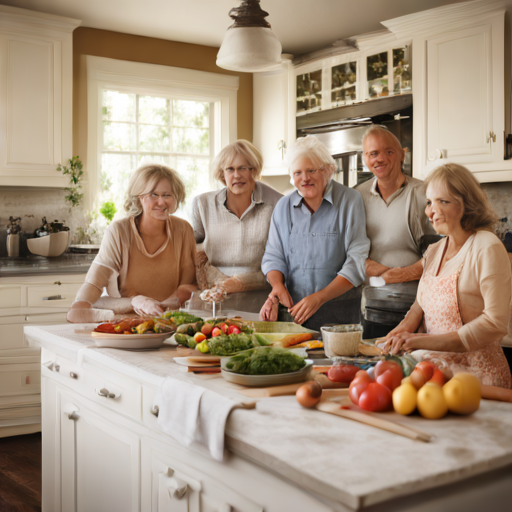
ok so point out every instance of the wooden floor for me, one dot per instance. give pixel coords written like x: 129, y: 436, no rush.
x: 20, y: 473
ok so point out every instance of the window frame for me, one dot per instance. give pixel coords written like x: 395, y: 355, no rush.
x: 153, y: 79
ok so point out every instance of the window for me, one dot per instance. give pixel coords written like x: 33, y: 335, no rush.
x: 147, y: 113
x: 141, y: 128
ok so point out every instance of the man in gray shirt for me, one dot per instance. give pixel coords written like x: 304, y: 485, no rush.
x: 396, y: 223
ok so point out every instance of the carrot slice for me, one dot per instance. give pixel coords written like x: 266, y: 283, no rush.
x: 295, y: 339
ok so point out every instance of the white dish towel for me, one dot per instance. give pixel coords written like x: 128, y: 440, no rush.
x: 191, y: 413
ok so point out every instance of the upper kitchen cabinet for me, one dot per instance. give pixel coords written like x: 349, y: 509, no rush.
x: 274, y: 115
x: 459, y: 99
x: 35, y: 97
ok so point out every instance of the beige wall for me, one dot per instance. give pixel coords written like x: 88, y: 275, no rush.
x: 115, y: 45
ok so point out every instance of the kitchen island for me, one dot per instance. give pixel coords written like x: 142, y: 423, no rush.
x: 108, y: 453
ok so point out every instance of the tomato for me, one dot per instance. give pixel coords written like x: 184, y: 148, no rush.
x: 207, y: 329
x: 358, y: 385
x: 438, y: 377
x: 224, y: 328
x: 389, y: 374
x: 376, y: 398
x: 233, y: 329
x: 216, y: 332
x: 342, y: 373
x: 428, y: 369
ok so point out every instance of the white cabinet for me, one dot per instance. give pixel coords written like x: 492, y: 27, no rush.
x: 465, y: 96
x: 35, y: 96
x: 274, y: 116
x: 24, y: 301
x: 459, y: 97
x: 172, y: 484
x: 99, y: 460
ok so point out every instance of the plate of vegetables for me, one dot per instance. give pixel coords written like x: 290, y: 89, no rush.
x: 265, y: 366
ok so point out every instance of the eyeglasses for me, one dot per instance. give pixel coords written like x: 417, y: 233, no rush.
x: 241, y: 169
x: 309, y: 173
x: 154, y: 197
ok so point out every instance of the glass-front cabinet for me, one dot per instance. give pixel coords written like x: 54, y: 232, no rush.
x: 353, y: 77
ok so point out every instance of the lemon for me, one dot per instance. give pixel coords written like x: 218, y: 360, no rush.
x: 404, y: 398
x: 431, y: 401
x: 462, y: 393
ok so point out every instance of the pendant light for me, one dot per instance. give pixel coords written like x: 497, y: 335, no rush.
x: 249, y: 45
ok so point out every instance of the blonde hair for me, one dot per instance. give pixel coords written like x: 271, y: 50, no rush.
x: 462, y: 185
x: 144, y: 180
x: 241, y: 148
x: 310, y: 147
x: 378, y: 129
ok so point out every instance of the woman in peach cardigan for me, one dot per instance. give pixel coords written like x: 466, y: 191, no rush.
x: 464, y: 296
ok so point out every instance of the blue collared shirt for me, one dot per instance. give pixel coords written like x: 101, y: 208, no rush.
x: 311, y: 249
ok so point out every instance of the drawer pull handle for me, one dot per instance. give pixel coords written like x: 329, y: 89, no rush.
x: 155, y: 410
x: 104, y: 392
x: 53, y: 297
x: 57, y: 283
x: 176, y: 486
x: 73, y: 375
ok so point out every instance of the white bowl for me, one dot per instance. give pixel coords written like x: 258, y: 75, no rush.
x: 51, y: 245
x: 342, y: 340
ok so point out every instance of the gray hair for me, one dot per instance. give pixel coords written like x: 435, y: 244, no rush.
x: 227, y: 154
x: 378, y: 129
x: 310, y: 147
x: 145, y: 179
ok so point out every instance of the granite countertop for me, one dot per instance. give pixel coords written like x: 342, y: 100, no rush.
x: 38, y: 265
x: 350, y: 463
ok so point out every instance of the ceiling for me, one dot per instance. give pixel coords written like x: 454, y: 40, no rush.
x: 302, y: 26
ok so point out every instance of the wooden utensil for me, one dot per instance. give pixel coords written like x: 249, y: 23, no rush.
x: 374, y: 421
x: 496, y: 393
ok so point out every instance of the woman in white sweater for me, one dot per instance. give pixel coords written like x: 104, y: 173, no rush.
x: 233, y: 223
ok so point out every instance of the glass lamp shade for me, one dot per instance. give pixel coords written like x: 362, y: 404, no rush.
x: 249, y: 49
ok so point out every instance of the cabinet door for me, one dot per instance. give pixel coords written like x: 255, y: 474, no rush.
x: 465, y: 116
x: 174, y: 486
x: 274, y: 117
x: 35, y: 97
x: 99, y: 462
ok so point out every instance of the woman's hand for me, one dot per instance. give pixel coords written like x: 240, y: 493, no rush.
x: 146, y: 306
x: 269, y: 311
x: 306, y: 308
x: 403, y: 342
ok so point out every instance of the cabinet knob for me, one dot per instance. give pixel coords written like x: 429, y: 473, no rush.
x: 71, y: 411
x: 435, y: 154
x: 491, y: 137
x: 155, y: 410
x: 281, y: 146
x: 104, y: 392
x: 73, y: 375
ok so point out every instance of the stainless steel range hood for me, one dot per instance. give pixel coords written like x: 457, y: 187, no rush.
x: 340, y: 118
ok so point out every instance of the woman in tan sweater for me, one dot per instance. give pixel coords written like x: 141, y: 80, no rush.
x: 464, y: 296
x: 146, y: 261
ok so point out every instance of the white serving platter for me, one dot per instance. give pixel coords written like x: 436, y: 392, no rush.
x: 261, y: 381
x: 130, y: 341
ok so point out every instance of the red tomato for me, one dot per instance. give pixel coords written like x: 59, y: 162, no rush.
x: 389, y: 374
x: 216, y: 332
x: 358, y: 385
x: 438, y: 377
x: 342, y: 373
x: 427, y: 368
x: 224, y: 328
x: 233, y: 329
x: 376, y: 398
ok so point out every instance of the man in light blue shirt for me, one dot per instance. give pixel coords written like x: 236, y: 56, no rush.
x: 317, y: 243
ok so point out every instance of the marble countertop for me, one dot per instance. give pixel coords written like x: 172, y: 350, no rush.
x: 38, y: 265
x: 347, y: 462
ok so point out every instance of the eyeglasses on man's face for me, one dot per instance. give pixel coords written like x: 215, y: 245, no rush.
x: 242, y: 169
x: 307, y: 173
